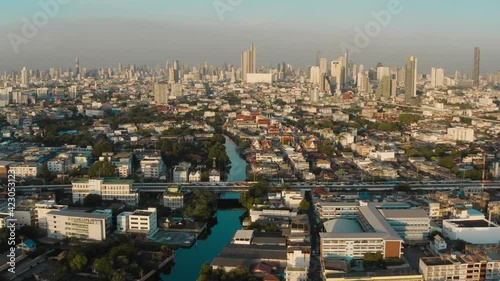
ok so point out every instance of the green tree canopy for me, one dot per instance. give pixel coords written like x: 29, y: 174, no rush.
x: 92, y: 200
x: 102, y: 169
x: 304, y: 206
x: 78, y: 263
x: 100, y: 147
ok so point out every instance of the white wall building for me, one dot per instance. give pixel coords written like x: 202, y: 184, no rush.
x: 143, y: 221
x: 41, y: 210
x: 152, y: 167
x: 81, y: 225
x: 461, y: 134
x: 475, y: 231
x: 109, y: 189
x: 259, y: 78
x: 25, y: 170
x: 195, y: 176
x: 173, y: 199
x: 243, y: 237
x: 122, y: 222
x: 410, y: 224
x: 298, y: 260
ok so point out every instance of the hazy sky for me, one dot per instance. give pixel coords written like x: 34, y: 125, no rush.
x: 105, y: 32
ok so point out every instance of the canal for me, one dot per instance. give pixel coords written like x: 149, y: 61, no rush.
x: 188, y: 262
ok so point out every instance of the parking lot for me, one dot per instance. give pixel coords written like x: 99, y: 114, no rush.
x: 413, y: 254
x: 173, y: 238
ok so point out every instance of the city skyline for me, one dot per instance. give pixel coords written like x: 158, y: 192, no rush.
x: 194, y: 34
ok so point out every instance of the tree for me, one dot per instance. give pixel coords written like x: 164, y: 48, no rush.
x: 304, y: 206
x: 92, y: 200
x: 104, y: 267
x: 408, y: 118
x: 254, y: 194
x: 102, y: 169
x: 100, y: 147
x: 447, y: 162
x: 78, y: 263
x: 460, y: 245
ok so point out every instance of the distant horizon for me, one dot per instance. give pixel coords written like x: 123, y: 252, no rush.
x: 105, y: 33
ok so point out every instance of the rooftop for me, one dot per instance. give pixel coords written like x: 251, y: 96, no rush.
x: 77, y: 214
x: 404, y: 213
x: 243, y: 234
x: 342, y: 226
x: 472, y: 223
x: 104, y: 180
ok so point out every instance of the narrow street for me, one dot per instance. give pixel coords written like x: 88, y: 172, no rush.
x: 315, y: 266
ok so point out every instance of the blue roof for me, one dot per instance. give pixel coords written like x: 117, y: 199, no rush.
x: 342, y: 226
x: 29, y: 243
x: 474, y: 212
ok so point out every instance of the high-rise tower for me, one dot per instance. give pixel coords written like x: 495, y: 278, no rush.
x: 411, y: 78
x: 77, y: 67
x: 248, y: 62
x: 475, y: 72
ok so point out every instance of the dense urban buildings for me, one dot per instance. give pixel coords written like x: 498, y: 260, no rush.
x: 310, y: 163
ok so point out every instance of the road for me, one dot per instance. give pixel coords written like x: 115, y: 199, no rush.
x: 242, y: 186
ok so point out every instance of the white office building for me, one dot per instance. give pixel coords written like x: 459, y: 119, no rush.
x: 410, y: 224
x: 143, y: 221
x: 41, y: 210
x: 152, y: 167
x: 472, y: 230
x: 109, y: 189
x: 461, y: 134
x: 81, y: 225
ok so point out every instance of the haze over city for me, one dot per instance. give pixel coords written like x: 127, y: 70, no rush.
x: 249, y: 140
x: 105, y: 33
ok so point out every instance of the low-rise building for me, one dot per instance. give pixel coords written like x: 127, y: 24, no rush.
x: 173, y: 198
x: 474, y: 267
x: 41, y: 210
x: 81, y: 225
x: 180, y: 174
x: 152, y: 167
x: 25, y: 170
x: 475, y: 231
x: 143, y: 222
x: 410, y: 224
x: 109, y: 189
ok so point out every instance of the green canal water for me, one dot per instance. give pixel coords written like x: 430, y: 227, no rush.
x: 188, y: 262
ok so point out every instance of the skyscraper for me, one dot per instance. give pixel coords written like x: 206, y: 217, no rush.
x: 323, y: 83
x: 315, y: 75
x: 411, y: 78
x: 244, y: 66
x: 323, y: 65
x: 384, y: 88
x: 475, y: 72
x: 252, y: 59
x: 77, y: 67
x: 437, y: 77
x: 338, y: 72
x: 382, y: 71
x: 248, y: 62
x: 24, y: 77
x: 346, y: 69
